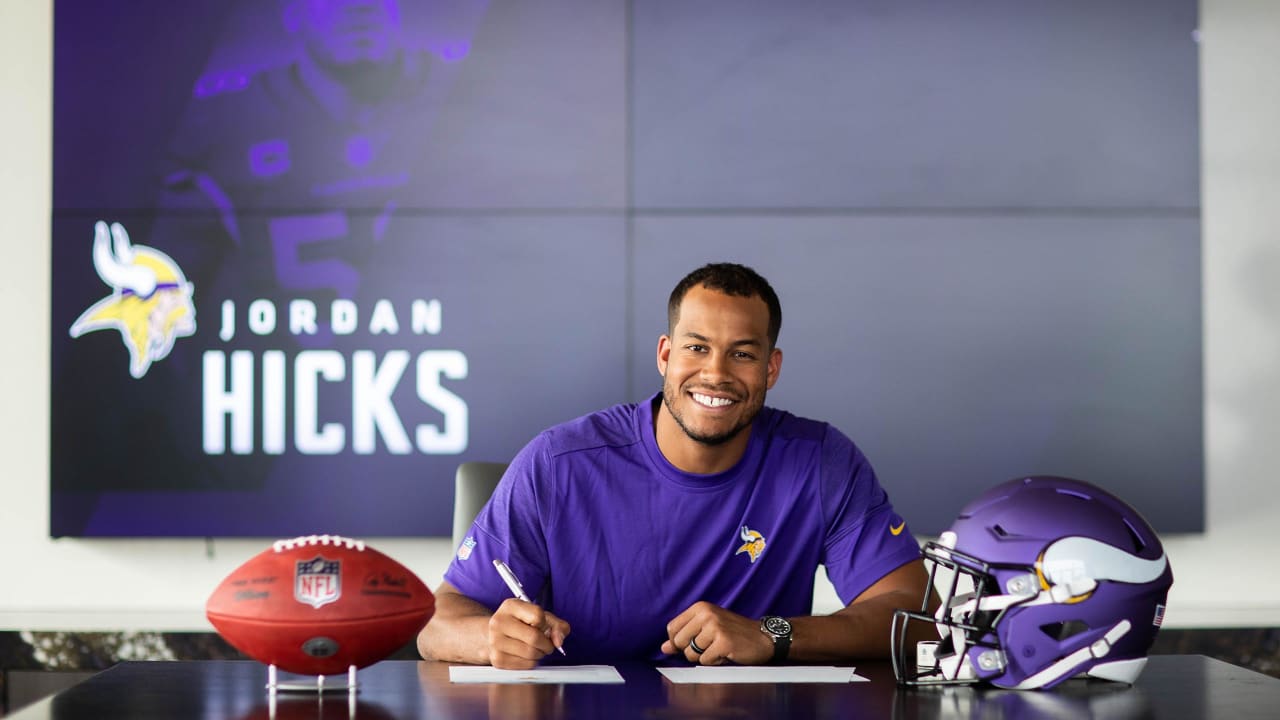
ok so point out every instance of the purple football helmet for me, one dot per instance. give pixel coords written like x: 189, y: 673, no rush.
x: 1041, y: 579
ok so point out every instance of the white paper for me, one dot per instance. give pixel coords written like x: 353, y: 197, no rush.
x: 550, y: 675
x: 761, y: 674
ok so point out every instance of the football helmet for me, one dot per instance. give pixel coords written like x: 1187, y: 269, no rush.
x: 1041, y: 579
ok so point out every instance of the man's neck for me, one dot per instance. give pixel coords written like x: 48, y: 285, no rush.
x: 692, y: 456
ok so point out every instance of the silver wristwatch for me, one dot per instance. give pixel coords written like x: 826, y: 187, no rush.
x: 778, y: 628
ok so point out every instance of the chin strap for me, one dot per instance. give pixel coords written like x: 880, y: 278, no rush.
x: 1060, y: 669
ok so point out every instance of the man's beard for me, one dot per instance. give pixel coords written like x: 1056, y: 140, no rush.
x: 711, y: 440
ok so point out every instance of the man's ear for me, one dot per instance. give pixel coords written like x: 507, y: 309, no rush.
x: 664, y: 354
x: 775, y: 367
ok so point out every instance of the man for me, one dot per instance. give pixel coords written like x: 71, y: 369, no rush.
x: 691, y: 524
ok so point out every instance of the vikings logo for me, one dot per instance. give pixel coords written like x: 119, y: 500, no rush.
x: 752, y: 545
x: 150, y: 303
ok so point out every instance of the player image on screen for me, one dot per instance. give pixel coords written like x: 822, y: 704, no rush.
x: 299, y: 168
x: 283, y: 184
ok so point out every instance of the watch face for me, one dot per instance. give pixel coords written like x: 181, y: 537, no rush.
x: 775, y: 625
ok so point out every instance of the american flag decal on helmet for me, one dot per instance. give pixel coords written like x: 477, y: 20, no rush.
x: 1158, y: 620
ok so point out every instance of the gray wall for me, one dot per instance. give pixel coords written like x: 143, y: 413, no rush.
x: 1241, y: 254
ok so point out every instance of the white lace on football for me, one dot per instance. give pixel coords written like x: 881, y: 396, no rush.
x: 335, y: 540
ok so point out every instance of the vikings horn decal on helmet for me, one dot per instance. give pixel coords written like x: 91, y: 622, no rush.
x: 1041, y: 579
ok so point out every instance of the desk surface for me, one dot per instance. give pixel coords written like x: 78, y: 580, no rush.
x: 1173, y: 686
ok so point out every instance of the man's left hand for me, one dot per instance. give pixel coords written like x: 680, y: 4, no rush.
x: 710, y: 635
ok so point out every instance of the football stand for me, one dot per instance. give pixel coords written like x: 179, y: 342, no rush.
x: 274, y: 686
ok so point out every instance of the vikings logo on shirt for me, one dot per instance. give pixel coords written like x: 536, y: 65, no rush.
x: 150, y: 303
x: 752, y: 545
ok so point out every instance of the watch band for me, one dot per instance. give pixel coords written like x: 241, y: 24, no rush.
x: 779, y: 629
x: 781, y: 648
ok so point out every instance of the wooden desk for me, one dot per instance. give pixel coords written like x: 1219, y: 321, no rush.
x: 1173, y: 686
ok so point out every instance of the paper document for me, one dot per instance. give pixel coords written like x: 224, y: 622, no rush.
x: 761, y: 674
x: 550, y: 675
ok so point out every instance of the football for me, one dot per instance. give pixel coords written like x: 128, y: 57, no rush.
x: 316, y: 605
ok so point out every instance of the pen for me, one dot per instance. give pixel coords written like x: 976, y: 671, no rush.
x: 513, y: 584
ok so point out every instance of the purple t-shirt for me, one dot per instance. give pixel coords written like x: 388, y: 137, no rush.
x: 608, y: 535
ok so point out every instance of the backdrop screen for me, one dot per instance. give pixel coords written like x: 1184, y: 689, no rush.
x: 310, y: 255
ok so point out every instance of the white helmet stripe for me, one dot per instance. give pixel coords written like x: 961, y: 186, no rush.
x: 1073, y: 558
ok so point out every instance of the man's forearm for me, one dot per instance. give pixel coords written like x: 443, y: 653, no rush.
x: 457, y: 632
x: 860, y: 630
x: 863, y: 629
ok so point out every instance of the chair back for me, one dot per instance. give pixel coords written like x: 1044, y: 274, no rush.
x: 473, y: 483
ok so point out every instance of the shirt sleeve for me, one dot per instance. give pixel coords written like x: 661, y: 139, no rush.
x: 866, y: 539
x: 507, y: 528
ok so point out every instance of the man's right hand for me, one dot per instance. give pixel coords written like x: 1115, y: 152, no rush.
x: 515, y: 637
x: 521, y: 633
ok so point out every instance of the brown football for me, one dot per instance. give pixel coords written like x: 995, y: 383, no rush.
x: 318, y: 604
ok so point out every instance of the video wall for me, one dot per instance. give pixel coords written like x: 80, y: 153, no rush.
x: 310, y: 255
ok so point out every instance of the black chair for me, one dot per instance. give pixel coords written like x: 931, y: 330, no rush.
x: 472, y: 485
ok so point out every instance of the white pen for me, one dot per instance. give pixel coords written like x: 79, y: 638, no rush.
x: 513, y: 584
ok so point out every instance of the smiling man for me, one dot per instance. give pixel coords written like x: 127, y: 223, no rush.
x: 690, y: 524
x: 717, y: 362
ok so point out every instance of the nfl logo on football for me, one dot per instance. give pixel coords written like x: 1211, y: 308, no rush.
x: 317, y: 581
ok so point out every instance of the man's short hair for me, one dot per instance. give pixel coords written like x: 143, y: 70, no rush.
x: 730, y: 279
